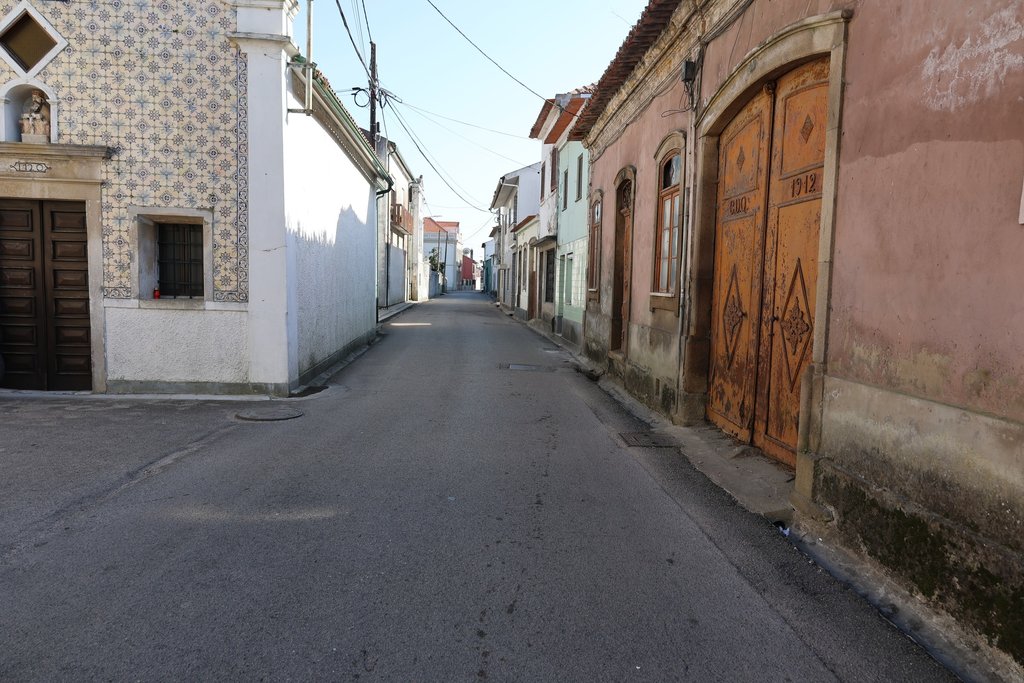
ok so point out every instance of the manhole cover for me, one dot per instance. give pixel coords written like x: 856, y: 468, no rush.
x: 269, y: 414
x: 647, y: 440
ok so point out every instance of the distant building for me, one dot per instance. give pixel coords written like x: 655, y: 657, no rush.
x: 516, y: 195
x: 563, y: 241
x: 442, y: 242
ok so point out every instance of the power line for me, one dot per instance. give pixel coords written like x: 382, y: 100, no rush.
x: 465, y: 123
x: 478, y: 48
x: 441, y: 175
x: 472, y: 142
x: 353, y: 40
x: 366, y: 19
x: 436, y: 162
x: 358, y: 22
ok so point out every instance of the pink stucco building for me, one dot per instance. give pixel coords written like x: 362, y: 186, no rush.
x: 809, y: 230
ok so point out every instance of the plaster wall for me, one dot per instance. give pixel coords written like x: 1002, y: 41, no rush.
x: 572, y: 235
x: 330, y: 218
x: 928, y: 245
x: 529, y: 192
x: 209, y: 346
x: 653, y: 343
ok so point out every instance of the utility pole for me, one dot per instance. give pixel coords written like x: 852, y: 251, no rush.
x: 373, y: 92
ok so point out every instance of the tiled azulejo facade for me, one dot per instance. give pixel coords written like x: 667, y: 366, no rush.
x: 159, y: 83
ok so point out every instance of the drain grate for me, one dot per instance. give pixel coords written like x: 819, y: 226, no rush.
x: 647, y: 440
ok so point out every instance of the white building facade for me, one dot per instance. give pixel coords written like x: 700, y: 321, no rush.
x: 192, y: 227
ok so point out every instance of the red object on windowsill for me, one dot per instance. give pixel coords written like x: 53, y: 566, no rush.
x: 156, y: 293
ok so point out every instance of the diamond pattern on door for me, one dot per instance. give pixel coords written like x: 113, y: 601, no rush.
x: 796, y: 325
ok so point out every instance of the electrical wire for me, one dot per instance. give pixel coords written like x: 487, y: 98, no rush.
x: 469, y: 140
x: 480, y: 50
x: 465, y: 123
x: 419, y: 147
x: 369, y: 34
x: 353, y: 40
x: 358, y: 24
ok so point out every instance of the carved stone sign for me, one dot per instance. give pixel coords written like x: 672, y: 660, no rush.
x: 29, y: 167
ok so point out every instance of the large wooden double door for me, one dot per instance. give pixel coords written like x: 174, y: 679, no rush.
x: 771, y: 159
x: 44, y: 296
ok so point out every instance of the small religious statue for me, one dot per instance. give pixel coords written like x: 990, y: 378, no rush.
x: 35, y: 119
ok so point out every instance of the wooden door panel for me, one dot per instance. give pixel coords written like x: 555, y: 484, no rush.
x: 739, y: 250
x: 69, y: 335
x: 791, y: 263
x: 22, y: 304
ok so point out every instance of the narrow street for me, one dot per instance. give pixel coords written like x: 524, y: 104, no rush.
x: 457, y: 505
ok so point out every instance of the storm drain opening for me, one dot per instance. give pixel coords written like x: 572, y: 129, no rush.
x: 525, y: 367
x: 647, y: 440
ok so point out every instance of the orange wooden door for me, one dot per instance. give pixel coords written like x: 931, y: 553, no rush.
x: 771, y: 159
x: 791, y: 254
x: 739, y: 253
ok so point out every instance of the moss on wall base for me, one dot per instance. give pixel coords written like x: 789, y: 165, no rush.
x: 977, y: 581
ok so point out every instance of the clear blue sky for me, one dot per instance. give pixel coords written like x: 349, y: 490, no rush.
x: 553, y: 46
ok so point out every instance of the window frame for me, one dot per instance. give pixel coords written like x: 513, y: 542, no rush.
x: 565, y: 189
x: 671, y: 194
x: 144, y: 237
x: 579, y: 177
x: 594, y: 217
x: 673, y: 143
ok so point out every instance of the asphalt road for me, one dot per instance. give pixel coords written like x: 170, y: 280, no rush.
x: 434, y: 515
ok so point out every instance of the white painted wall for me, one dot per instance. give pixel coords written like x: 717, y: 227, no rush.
x: 330, y: 218
x: 166, y: 345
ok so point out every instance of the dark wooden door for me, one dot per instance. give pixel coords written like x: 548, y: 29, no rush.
x: 771, y: 159
x: 622, y: 271
x: 44, y: 296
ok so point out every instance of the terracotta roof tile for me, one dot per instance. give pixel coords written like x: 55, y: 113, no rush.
x: 645, y: 32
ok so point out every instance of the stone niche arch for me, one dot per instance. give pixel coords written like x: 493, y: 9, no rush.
x: 803, y: 41
x: 13, y: 96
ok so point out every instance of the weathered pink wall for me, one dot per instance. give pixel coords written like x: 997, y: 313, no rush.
x: 636, y: 147
x: 928, y: 288
x: 929, y: 255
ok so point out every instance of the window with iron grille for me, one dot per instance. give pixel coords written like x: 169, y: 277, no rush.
x: 180, y: 260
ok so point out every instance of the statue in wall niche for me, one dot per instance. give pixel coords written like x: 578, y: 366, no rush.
x: 35, y: 118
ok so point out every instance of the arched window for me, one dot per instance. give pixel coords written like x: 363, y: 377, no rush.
x: 666, y: 246
x: 594, y: 246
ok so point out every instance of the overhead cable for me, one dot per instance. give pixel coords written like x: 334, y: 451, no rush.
x: 423, y: 153
x: 480, y: 50
x: 353, y: 40
x: 469, y: 140
x: 465, y: 123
